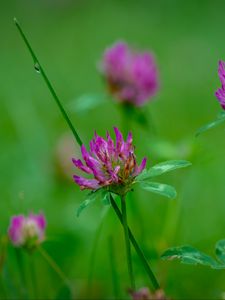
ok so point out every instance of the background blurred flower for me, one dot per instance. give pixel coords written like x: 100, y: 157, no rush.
x: 220, y: 93
x: 131, y: 76
x: 145, y: 294
x: 27, y: 232
x: 65, y: 148
x: 112, y: 165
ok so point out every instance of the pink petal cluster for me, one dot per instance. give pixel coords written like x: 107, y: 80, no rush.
x: 111, y: 164
x: 131, y: 77
x: 27, y: 231
x: 220, y: 93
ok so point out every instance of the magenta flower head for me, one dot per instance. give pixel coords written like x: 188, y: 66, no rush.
x: 113, y: 165
x: 220, y: 93
x: 27, y: 232
x: 131, y: 77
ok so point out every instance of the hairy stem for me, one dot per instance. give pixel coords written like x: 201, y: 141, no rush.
x: 138, y: 250
x: 127, y: 241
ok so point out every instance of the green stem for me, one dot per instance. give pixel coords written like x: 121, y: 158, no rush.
x: 54, y: 266
x: 39, y: 69
x: 3, y: 289
x: 150, y: 273
x: 22, y: 271
x: 127, y: 241
x: 113, y: 268
x: 150, y: 123
x: 93, y: 257
x: 33, y: 276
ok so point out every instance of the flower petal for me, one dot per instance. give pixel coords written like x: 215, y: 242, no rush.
x: 220, y: 94
x: 119, y: 141
x: 40, y: 220
x: 15, y: 230
x: 142, y: 166
x: 78, y: 163
x: 85, y: 183
x: 221, y: 72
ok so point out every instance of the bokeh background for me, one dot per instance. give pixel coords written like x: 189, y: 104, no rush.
x: 187, y: 39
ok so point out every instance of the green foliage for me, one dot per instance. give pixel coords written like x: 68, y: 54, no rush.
x: 105, y: 197
x: 192, y: 256
x: 91, y: 197
x: 157, y: 170
x: 160, y: 188
x: 140, y: 116
x: 161, y: 168
x: 220, y: 250
x: 220, y: 119
x: 102, y: 194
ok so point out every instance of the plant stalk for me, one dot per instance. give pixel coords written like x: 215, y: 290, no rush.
x: 138, y: 250
x: 22, y: 272
x: 54, y: 266
x: 93, y: 257
x: 40, y: 70
x: 115, y: 282
x: 127, y: 241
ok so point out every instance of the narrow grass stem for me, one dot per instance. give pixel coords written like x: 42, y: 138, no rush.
x: 22, y: 272
x: 115, y: 281
x: 54, y: 266
x: 32, y: 270
x: 93, y: 257
x: 3, y: 289
x: 40, y: 70
x: 138, y: 250
x: 127, y: 241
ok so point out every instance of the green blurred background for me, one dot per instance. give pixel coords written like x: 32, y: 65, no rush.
x: 187, y: 38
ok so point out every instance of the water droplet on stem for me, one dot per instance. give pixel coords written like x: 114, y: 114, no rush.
x: 37, y: 67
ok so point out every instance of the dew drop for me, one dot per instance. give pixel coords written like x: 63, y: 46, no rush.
x: 37, y: 67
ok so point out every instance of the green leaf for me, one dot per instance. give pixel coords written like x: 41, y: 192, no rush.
x: 87, y: 102
x: 105, y: 198
x: 220, y: 250
x: 91, y: 197
x: 164, y: 167
x: 159, y: 188
x: 191, y: 256
x: 218, y: 121
x: 221, y: 114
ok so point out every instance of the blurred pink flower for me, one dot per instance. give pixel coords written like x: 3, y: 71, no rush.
x: 220, y: 93
x: 145, y: 294
x: 27, y: 232
x: 131, y: 76
x: 112, y: 165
